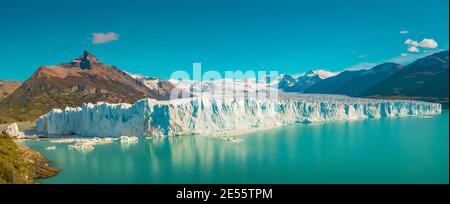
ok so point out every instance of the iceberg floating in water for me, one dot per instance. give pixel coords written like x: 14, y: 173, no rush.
x: 88, y: 144
x: 128, y: 140
x: 50, y: 148
x: 206, y: 115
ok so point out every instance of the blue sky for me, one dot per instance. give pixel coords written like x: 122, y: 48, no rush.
x: 155, y: 38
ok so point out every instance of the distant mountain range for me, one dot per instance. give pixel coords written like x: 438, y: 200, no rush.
x: 426, y: 77
x: 353, y: 83
x: 86, y: 79
x: 301, y: 82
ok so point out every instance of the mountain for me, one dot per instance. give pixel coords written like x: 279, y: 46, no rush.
x: 8, y: 87
x: 306, y: 80
x: 322, y: 74
x: 425, y: 78
x: 300, y: 82
x: 84, y: 79
x: 221, y: 86
x: 353, y: 83
x: 286, y: 81
x: 157, y: 85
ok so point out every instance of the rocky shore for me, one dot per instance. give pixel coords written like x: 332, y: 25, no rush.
x: 20, y: 164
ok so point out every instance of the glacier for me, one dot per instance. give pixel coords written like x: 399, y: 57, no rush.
x: 209, y: 115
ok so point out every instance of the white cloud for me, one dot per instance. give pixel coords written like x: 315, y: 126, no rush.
x: 403, y: 55
x: 411, y: 42
x: 428, y: 43
x: 100, y: 38
x: 404, y: 32
x: 425, y: 43
x: 413, y: 49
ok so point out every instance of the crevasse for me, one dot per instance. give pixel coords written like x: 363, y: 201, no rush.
x: 206, y: 115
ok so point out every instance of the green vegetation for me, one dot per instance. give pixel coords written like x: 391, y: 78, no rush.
x: 21, y: 165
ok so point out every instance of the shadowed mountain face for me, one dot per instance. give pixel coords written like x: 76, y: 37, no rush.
x: 353, y: 83
x: 82, y: 80
x: 426, y: 77
x: 8, y: 87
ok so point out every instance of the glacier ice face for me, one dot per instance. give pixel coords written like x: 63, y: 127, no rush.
x: 207, y: 115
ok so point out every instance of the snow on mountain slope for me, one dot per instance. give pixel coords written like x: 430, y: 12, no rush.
x: 209, y: 115
x: 300, y: 82
x: 150, y: 82
x: 158, y: 85
x: 323, y: 74
x: 284, y: 82
x: 221, y: 86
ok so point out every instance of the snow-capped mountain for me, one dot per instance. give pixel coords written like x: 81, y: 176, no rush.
x: 283, y: 82
x: 158, y: 85
x: 353, y: 83
x: 300, y: 82
x: 322, y: 74
x: 221, y: 86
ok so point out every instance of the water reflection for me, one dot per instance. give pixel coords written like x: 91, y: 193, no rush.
x: 407, y: 150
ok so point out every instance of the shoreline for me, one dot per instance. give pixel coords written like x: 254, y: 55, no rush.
x: 289, y: 138
x: 43, y: 168
x: 21, y: 164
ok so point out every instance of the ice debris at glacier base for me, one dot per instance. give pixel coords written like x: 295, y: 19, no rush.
x: 230, y: 139
x: 128, y: 140
x: 87, y: 144
x: 50, y: 148
x: 206, y: 115
x: 13, y: 131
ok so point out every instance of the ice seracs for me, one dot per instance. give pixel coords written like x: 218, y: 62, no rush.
x: 13, y: 131
x: 207, y: 115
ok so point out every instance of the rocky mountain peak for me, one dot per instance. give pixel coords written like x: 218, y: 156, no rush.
x: 85, y: 61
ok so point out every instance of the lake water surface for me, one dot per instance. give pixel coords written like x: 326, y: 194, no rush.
x: 398, y: 150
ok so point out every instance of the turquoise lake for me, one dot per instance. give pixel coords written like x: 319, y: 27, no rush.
x: 396, y: 150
